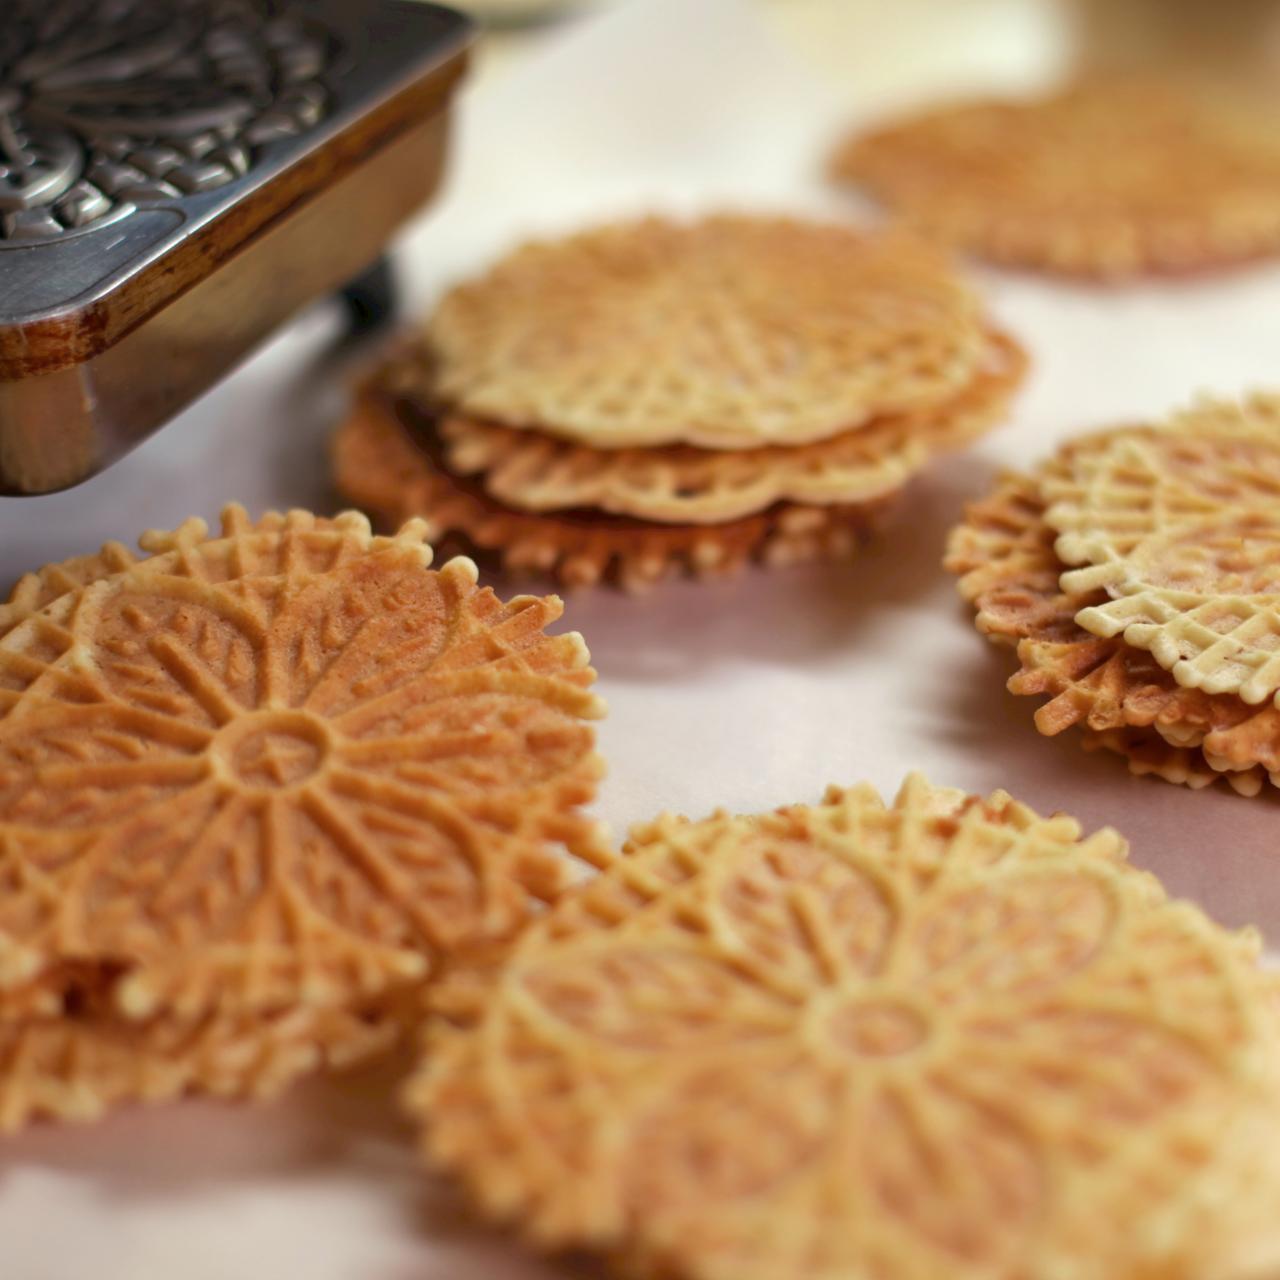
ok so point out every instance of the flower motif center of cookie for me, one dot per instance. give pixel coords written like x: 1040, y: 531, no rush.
x: 272, y: 750
x: 879, y: 1027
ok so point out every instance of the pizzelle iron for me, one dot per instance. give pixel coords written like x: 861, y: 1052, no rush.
x: 179, y: 177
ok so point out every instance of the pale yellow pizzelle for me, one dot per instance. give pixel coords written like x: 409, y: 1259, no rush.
x: 1119, y: 696
x: 941, y: 1037
x: 530, y: 471
x: 731, y: 332
x: 1180, y: 525
x: 1114, y: 176
x: 288, y: 766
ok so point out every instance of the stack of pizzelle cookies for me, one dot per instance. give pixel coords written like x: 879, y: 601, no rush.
x: 1137, y: 573
x: 942, y: 1037
x: 1117, y: 175
x: 254, y: 785
x: 662, y: 396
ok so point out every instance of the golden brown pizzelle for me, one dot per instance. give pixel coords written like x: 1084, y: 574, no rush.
x: 1179, y: 523
x: 286, y: 767
x: 33, y: 591
x: 74, y: 1064
x: 75, y: 1068
x: 1004, y: 554
x: 1116, y: 175
x: 385, y: 466
x: 253, y: 786
x: 726, y: 332
x: 940, y: 1037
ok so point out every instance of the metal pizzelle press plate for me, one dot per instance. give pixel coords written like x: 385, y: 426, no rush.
x: 178, y: 177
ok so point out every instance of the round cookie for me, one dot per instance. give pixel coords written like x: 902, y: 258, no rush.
x: 1114, y: 176
x: 731, y: 332
x: 65, y: 1055
x: 1180, y: 525
x: 289, y: 766
x: 942, y: 1037
x: 1119, y: 696
x: 384, y: 466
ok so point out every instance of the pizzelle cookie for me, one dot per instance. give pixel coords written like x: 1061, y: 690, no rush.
x: 385, y: 467
x: 252, y: 788
x: 941, y: 1037
x: 655, y: 397
x: 730, y: 332
x: 1119, y: 695
x: 33, y: 591
x: 74, y: 1064
x: 1180, y: 525
x: 680, y: 484
x: 74, y: 1068
x: 1113, y: 176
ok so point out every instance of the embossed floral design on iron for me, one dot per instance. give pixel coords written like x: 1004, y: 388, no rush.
x: 106, y: 105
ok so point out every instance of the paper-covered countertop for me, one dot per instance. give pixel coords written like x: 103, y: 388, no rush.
x: 747, y: 694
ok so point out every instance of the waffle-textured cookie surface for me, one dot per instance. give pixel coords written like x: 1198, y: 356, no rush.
x: 65, y: 1055
x: 284, y: 766
x: 945, y: 1037
x: 1180, y: 525
x: 33, y: 591
x: 384, y: 463
x: 74, y: 1069
x: 1119, y: 696
x: 727, y: 333
x: 531, y: 471
x: 1112, y: 176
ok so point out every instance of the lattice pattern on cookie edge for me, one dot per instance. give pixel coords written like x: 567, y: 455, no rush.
x: 1009, y: 570
x: 75, y: 1069
x: 389, y: 469
x: 1181, y: 526
x: 531, y: 471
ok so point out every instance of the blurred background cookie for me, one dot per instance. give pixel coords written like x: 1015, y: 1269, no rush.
x: 1119, y: 175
